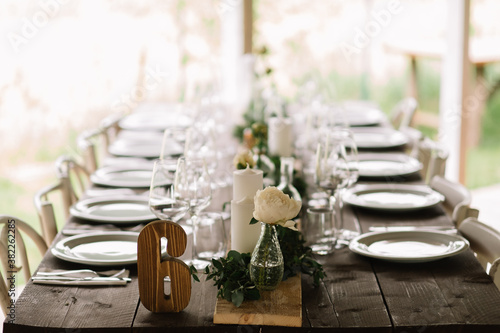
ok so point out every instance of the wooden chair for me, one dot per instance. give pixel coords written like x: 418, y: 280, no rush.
x: 72, y: 181
x: 433, y: 158
x: 93, y: 143
x: 402, y: 114
x: 11, y: 230
x: 485, y: 242
x: 457, y: 199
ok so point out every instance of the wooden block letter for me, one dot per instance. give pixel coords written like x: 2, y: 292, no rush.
x: 152, y: 269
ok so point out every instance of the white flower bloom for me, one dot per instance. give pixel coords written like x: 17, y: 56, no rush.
x: 272, y: 206
x: 244, y: 159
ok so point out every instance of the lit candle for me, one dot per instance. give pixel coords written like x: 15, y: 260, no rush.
x: 280, y: 137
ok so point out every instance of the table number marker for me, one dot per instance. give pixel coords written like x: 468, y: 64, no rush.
x: 153, y: 270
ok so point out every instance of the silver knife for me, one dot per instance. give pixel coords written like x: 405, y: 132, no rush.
x: 414, y: 228
x: 88, y: 278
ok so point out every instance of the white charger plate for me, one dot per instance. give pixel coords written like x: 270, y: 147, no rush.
x: 114, y: 209
x: 100, y: 248
x: 386, y: 165
x: 408, y: 246
x: 392, y: 197
x: 379, y: 137
x: 131, y: 177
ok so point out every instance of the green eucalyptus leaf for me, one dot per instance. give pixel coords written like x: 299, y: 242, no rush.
x: 237, y: 298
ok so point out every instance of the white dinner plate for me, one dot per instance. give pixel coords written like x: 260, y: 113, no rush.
x: 392, y: 197
x: 114, y: 176
x: 387, y: 165
x: 100, y: 248
x: 156, y: 119
x: 408, y: 246
x: 144, y: 149
x: 114, y: 209
x: 363, y: 115
x: 379, y: 137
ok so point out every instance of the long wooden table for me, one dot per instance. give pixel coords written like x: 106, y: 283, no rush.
x: 358, y: 294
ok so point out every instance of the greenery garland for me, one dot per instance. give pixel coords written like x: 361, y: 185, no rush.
x: 231, y: 274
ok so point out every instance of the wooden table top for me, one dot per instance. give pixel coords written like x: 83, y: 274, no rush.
x: 449, y: 295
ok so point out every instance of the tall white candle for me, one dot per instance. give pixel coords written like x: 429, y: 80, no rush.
x: 280, y: 139
x: 246, y: 182
x: 244, y: 236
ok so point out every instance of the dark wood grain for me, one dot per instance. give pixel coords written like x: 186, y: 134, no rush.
x: 359, y: 294
x: 42, y: 307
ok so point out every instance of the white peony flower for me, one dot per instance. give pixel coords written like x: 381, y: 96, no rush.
x: 244, y: 159
x: 272, y: 206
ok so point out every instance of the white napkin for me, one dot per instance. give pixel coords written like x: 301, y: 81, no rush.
x: 105, y: 278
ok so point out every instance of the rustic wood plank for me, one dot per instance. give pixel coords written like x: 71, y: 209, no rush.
x: 280, y: 307
x: 197, y: 315
x: 354, y: 291
x: 63, y: 307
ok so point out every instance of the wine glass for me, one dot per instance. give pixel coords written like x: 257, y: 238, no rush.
x: 344, y: 236
x: 193, y: 185
x: 332, y: 174
x: 163, y: 201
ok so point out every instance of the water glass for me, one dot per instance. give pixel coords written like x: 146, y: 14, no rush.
x: 211, y: 240
x: 318, y: 229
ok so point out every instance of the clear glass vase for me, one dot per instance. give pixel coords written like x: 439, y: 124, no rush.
x: 286, y: 178
x: 266, y: 265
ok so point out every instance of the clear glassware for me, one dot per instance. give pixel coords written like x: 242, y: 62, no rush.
x: 286, y: 178
x: 332, y: 174
x: 344, y: 236
x: 264, y: 163
x: 163, y: 201
x: 266, y: 264
x: 192, y: 183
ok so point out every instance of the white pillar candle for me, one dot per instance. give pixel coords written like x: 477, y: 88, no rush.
x: 280, y: 140
x: 244, y: 236
x: 246, y: 182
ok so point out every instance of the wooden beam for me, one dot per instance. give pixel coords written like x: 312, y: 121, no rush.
x: 247, y: 26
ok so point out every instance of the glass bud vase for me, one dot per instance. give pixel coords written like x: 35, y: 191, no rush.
x: 286, y: 178
x: 266, y: 264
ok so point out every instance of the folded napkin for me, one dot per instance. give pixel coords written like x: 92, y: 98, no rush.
x: 82, y: 277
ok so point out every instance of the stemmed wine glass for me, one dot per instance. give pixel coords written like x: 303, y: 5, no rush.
x: 332, y: 174
x: 193, y: 185
x: 344, y: 236
x: 163, y: 199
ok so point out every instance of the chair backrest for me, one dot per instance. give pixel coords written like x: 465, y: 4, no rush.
x: 72, y: 182
x: 414, y: 138
x: 402, y: 114
x: 94, y: 143
x: 457, y: 198
x: 11, y: 240
x: 485, y: 242
x: 433, y: 158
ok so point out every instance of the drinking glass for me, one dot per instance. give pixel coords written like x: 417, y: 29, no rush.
x: 193, y: 185
x: 344, y: 236
x: 332, y: 173
x: 163, y: 201
x: 211, y: 236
